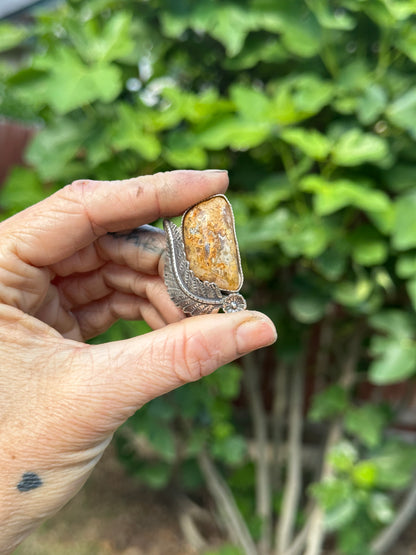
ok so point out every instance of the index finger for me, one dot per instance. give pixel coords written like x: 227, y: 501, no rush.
x: 81, y: 212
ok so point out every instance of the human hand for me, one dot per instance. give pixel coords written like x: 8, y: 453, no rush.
x: 64, y: 279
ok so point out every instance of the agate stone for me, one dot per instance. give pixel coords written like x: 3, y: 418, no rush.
x: 211, y: 244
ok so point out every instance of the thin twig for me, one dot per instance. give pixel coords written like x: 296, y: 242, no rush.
x: 298, y: 543
x: 292, y: 489
x: 226, y: 505
x: 385, y: 541
x: 278, y: 421
x: 190, y: 532
x: 316, y: 533
x: 263, y: 482
x: 324, y: 351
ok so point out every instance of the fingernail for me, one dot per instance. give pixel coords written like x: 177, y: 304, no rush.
x: 215, y: 171
x: 255, y: 332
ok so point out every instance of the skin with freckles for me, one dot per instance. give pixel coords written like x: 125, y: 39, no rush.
x: 70, y: 266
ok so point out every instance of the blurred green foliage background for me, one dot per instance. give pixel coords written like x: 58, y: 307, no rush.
x: 311, y: 106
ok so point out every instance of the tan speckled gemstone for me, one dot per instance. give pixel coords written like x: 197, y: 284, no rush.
x: 211, y: 245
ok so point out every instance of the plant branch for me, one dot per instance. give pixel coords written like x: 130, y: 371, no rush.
x: 226, y: 505
x: 385, y: 541
x: 316, y: 533
x: 278, y: 413
x: 292, y: 489
x: 263, y: 480
x: 324, y: 351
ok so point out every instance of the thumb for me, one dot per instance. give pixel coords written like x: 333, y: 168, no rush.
x: 124, y: 375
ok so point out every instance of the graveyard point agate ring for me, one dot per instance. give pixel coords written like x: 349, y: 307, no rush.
x: 203, y: 267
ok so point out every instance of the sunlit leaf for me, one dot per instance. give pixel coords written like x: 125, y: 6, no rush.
x: 331, y: 402
x: 331, y: 196
x: 311, y: 142
x: 404, y: 231
x: 307, y: 308
x: 367, y: 423
x: 395, y: 363
x: 356, y: 147
x: 11, y: 35
x: 71, y: 84
x: 402, y: 112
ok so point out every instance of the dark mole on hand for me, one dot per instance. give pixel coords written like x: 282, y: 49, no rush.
x: 29, y: 481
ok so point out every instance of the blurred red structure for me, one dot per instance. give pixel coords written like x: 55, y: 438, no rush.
x: 14, y: 137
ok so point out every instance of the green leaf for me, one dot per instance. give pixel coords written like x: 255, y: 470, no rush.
x: 370, y: 252
x: 353, y: 293
x: 355, y: 148
x: 404, y: 230
x: 21, y: 189
x: 329, y: 18
x: 302, y: 36
x: 226, y: 382
x: 190, y: 476
x: 307, y: 309
x: 411, y: 290
x: 342, y: 515
x: 284, y: 109
x: 270, y: 192
x: 306, y: 235
x: 11, y: 35
x: 406, y: 266
x: 372, y: 104
x: 155, y: 475
x: 256, y: 49
x: 332, y: 263
x: 72, y: 84
x: 343, y: 456
x: 332, y: 492
x: 225, y: 550
x: 230, y: 131
x: 309, y: 93
x: 381, y: 508
x: 400, y: 177
x: 96, y: 43
x: 162, y: 439
x: 258, y: 234
x: 229, y: 23
x: 395, y: 465
x: 129, y: 132
x: 400, y: 9
x: 364, y: 474
x: 231, y: 26
x: 396, y: 361
x: 328, y: 404
x: 182, y: 151
x: 331, y: 196
x: 402, y: 112
x: 251, y: 103
x: 63, y: 139
x: 406, y: 41
x: 311, y: 142
x: 367, y: 423
x: 397, y: 323
x: 231, y: 450
x: 368, y: 249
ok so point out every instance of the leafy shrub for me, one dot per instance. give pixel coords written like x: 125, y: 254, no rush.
x: 311, y: 106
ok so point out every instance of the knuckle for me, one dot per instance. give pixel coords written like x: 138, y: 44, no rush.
x: 78, y: 185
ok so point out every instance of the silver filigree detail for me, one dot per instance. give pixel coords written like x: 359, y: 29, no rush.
x: 234, y: 303
x: 187, y: 291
